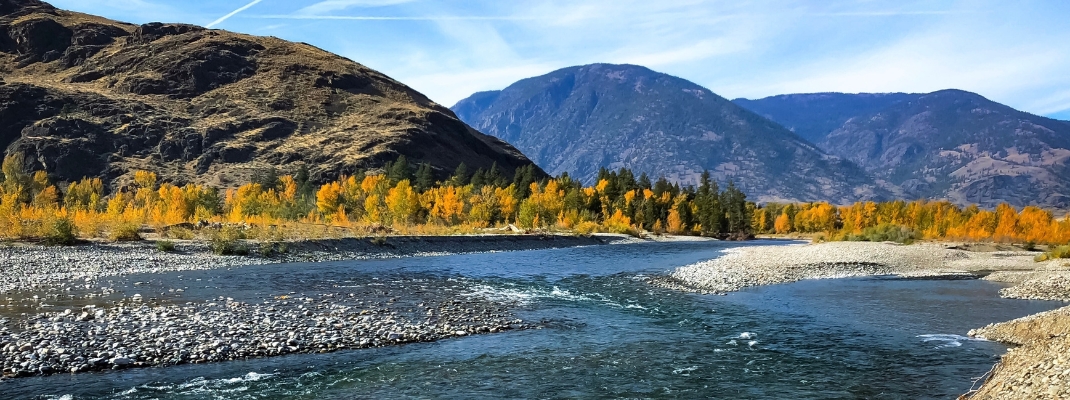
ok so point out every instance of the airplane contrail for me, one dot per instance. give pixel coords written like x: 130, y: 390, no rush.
x: 232, y: 13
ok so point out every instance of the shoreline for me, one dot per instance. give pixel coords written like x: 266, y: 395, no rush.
x: 1038, y: 368
x: 31, y: 266
x: 134, y: 333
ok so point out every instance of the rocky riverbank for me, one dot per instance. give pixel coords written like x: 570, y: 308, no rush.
x: 1039, y: 368
x: 137, y: 335
x: 137, y: 332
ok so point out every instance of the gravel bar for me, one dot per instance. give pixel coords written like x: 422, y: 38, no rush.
x: 767, y: 265
x: 138, y: 332
x: 136, y: 335
x: 26, y: 266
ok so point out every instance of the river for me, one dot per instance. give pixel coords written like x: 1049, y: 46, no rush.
x: 603, y: 333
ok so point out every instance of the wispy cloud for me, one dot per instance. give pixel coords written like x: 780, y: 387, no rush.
x: 1011, y: 52
x: 889, y: 13
x: 338, y: 5
x: 393, y: 18
x: 233, y: 13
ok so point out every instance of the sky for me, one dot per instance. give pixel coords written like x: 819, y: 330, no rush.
x: 1016, y: 53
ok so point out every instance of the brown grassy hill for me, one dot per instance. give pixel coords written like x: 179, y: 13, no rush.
x: 86, y: 96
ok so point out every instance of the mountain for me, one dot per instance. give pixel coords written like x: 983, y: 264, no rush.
x: 814, y: 115
x: 579, y: 119
x: 86, y: 96
x: 963, y: 147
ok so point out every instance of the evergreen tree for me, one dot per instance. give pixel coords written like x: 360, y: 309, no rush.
x: 267, y: 178
x: 522, y: 179
x: 494, y: 176
x: 710, y: 214
x: 425, y: 177
x: 662, y: 186
x: 626, y: 180
x: 644, y: 181
x: 305, y: 188
x: 460, y: 175
x: 737, y: 215
x: 399, y: 170
x: 479, y: 179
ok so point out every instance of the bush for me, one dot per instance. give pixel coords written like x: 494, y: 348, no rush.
x: 267, y: 249
x: 61, y: 233
x: 179, y: 233
x: 586, y: 228
x: 125, y: 232
x: 227, y: 241
x: 379, y: 241
x: 1056, y: 253
x: 1029, y: 246
x: 884, y: 233
x: 165, y: 246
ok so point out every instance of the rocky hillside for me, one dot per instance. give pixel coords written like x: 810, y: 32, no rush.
x: 579, y: 119
x: 948, y: 144
x: 86, y: 96
x: 814, y: 115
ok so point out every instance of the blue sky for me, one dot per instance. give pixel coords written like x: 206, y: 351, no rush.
x: 1017, y: 53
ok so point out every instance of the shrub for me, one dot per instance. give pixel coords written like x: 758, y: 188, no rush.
x: 884, y: 233
x: 379, y: 241
x: 1056, y: 253
x: 61, y: 232
x: 124, y: 232
x: 1029, y: 246
x: 227, y: 241
x: 586, y: 228
x: 179, y: 233
x: 267, y: 249
x: 165, y: 246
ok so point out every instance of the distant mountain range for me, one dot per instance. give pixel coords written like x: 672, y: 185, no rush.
x: 839, y: 147
x: 814, y: 116
x: 949, y: 144
x: 82, y: 96
x: 579, y: 119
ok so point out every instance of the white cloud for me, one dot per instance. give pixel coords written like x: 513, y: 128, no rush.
x: 327, y: 6
x: 232, y: 13
x: 698, y: 51
x: 447, y: 88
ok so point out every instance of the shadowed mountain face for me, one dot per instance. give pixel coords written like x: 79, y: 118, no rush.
x: 579, y: 119
x: 86, y: 96
x: 949, y: 144
x: 814, y: 116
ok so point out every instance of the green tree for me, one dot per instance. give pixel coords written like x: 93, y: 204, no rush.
x: 460, y: 175
x: 399, y: 170
x: 710, y: 214
x: 425, y: 178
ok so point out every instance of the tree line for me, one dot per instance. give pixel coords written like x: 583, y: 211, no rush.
x: 903, y: 221
x: 400, y: 197
x: 408, y: 198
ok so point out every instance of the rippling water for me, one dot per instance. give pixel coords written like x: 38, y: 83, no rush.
x: 604, y: 334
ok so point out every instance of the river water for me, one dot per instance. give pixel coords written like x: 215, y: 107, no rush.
x: 604, y: 333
